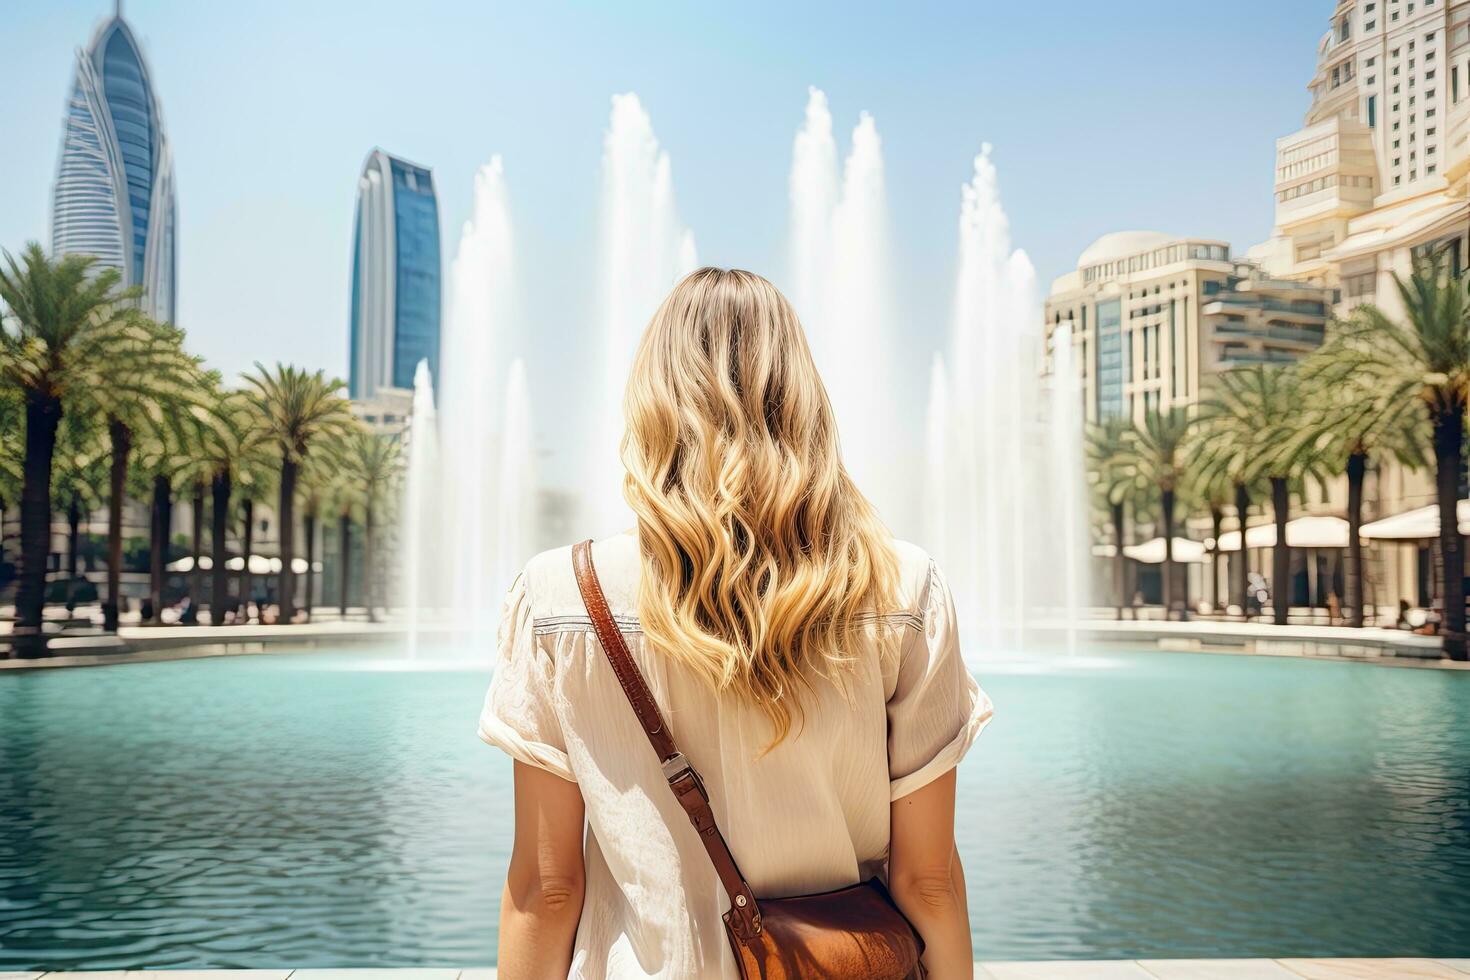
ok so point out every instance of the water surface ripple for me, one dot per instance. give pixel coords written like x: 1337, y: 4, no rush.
x: 320, y: 810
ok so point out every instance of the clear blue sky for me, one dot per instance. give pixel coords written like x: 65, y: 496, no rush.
x: 1141, y: 113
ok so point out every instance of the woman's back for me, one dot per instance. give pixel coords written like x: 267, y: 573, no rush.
x: 809, y: 815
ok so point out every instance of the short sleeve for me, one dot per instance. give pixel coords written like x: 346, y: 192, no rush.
x: 937, y: 709
x: 519, y: 716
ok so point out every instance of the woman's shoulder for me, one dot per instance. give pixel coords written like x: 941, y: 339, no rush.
x: 551, y: 584
x: 916, y: 572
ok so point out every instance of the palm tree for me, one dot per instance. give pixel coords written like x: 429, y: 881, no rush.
x: 79, y: 482
x: 1210, y: 486
x: 74, y: 332
x: 1156, y: 450
x: 167, y: 460
x: 12, y: 453
x: 234, y: 453
x: 1113, y: 480
x: 1254, y: 411
x: 297, y: 408
x: 343, y: 497
x: 1225, y: 448
x: 1427, y: 361
x: 1356, y: 423
x: 318, y: 478
x: 373, y: 460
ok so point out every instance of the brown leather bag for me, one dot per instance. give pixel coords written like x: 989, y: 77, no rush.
x: 853, y: 932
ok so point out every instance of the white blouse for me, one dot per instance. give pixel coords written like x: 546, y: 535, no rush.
x: 809, y: 816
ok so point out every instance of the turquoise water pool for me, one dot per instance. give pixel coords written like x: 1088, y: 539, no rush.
x: 336, y: 809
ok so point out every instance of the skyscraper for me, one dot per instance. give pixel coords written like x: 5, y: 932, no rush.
x: 395, y: 276
x: 114, y: 195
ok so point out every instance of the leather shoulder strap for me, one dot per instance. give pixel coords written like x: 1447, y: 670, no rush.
x: 682, y: 777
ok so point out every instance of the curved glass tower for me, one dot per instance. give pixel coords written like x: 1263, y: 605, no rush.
x: 395, y: 276
x: 114, y: 184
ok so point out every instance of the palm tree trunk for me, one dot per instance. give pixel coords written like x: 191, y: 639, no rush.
x: 219, y: 590
x: 1242, y: 572
x: 121, y: 438
x: 369, y: 583
x: 344, y: 549
x: 196, y: 575
x: 1449, y: 439
x: 162, y: 528
x: 1357, y: 468
x: 43, y: 415
x: 309, y: 530
x: 73, y: 545
x: 1168, y: 508
x: 287, y: 519
x: 1217, y: 518
x: 249, y: 516
x: 1120, y: 562
x: 1280, y: 554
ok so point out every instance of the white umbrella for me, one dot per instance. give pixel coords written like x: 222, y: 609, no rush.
x: 1420, y: 524
x: 1304, y: 532
x: 1151, y: 552
x: 186, y: 564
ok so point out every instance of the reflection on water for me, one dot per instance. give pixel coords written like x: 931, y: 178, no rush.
x: 319, y: 810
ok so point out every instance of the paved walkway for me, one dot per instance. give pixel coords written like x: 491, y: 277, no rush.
x: 1397, y: 648
x: 1288, y: 969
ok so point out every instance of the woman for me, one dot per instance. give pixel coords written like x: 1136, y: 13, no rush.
x: 806, y: 662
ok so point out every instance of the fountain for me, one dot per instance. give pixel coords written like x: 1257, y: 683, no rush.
x: 515, y: 503
x: 1003, y: 479
x: 840, y: 272
x: 420, y: 510
x: 461, y: 551
x: 644, y: 251
x: 1002, y: 490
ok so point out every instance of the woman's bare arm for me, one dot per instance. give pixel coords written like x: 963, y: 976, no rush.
x: 926, y: 879
x: 542, y: 902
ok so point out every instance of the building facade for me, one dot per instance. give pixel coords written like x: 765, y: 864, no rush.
x: 1379, y: 173
x: 396, y: 276
x: 1152, y: 316
x: 1379, y: 176
x: 114, y: 193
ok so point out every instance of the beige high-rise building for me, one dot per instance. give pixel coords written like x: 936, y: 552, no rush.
x: 1378, y: 177
x: 1380, y: 172
x: 1152, y: 316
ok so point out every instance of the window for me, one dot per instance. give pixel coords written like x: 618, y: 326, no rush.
x: 1429, y: 170
x: 1372, y: 111
x: 1455, y: 84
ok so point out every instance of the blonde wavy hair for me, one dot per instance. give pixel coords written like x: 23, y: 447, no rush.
x: 762, y: 562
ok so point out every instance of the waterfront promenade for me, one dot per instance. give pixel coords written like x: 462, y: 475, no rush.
x: 1389, y: 647
x: 1257, y: 969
